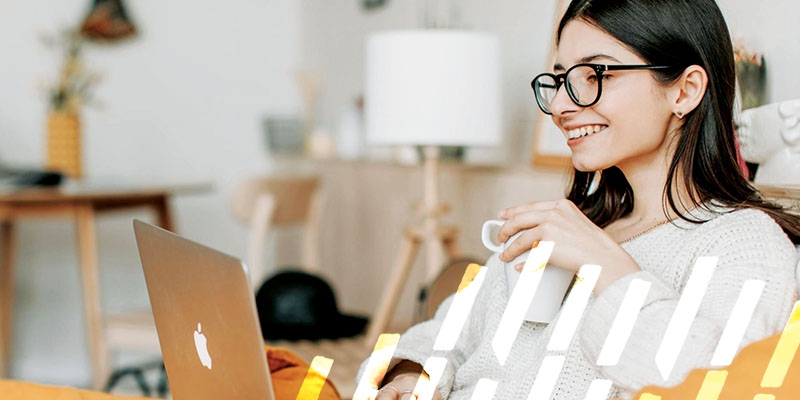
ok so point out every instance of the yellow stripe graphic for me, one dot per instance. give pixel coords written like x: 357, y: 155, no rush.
x: 648, y: 396
x: 315, y: 378
x: 712, y: 385
x: 376, y: 366
x: 784, y: 351
x: 764, y: 397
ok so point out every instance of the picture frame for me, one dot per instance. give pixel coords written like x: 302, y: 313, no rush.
x: 549, y: 147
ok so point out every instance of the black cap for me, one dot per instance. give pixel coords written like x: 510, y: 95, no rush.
x: 295, y: 305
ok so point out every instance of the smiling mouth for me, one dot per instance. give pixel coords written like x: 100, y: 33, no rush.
x: 584, y: 131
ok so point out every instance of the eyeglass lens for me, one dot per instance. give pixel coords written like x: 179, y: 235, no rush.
x: 582, y: 86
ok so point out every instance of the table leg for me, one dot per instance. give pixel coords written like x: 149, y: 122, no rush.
x: 6, y: 294
x: 164, y: 214
x: 87, y: 247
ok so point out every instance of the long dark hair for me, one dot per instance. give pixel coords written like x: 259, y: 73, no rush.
x: 678, y: 33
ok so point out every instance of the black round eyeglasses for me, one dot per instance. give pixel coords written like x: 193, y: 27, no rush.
x: 584, y: 83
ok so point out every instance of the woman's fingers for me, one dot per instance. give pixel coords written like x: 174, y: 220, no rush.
x: 533, y: 206
x: 400, y: 388
x: 388, y: 392
x: 528, y: 220
x: 521, y: 244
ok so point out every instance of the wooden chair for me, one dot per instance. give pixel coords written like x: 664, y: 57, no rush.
x: 445, y: 284
x: 265, y: 203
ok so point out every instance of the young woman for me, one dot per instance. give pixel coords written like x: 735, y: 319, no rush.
x: 643, y: 92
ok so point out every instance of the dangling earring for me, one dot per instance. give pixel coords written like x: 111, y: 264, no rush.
x: 595, y: 183
x: 679, y: 114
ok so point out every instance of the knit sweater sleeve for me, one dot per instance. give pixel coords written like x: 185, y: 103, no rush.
x: 749, y: 246
x: 417, y: 343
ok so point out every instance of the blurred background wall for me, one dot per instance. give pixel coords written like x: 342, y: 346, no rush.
x: 182, y: 101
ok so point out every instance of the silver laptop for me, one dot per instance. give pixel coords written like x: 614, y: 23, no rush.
x: 206, y: 319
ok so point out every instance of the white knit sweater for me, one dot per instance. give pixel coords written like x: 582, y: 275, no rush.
x: 749, y: 244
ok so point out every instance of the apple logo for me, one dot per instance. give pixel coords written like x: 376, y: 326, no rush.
x: 201, y: 344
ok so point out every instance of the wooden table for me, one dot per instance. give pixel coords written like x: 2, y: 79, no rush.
x: 82, y: 202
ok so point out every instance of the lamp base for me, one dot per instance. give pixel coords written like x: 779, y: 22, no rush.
x: 430, y: 233
x: 413, y: 237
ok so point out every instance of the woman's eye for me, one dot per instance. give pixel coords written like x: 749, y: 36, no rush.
x: 606, y: 77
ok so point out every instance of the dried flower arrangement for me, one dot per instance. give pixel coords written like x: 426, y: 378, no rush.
x: 72, y: 89
x: 75, y: 84
x: 743, y: 53
x: 750, y: 74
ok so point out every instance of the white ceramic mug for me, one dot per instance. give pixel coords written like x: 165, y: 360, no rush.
x: 552, y: 288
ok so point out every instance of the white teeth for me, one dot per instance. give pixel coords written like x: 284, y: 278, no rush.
x: 584, y: 131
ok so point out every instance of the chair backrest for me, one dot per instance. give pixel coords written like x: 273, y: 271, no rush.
x: 445, y: 284
x: 276, y: 201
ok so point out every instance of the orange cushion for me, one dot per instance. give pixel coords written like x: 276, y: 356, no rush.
x: 288, y: 372
x: 744, y: 377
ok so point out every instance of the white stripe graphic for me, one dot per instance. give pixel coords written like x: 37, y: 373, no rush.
x: 484, y: 390
x: 376, y: 366
x: 623, y: 323
x: 546, y: 378
x: 434, y: 366
x: 520, y: 299
x: 736, y: 326
x: 599, y: 389
x: 685, y: 312
x: 573, y: 308
x: 457, y: 314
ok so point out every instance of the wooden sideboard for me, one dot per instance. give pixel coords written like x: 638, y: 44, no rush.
x: 369, y: 204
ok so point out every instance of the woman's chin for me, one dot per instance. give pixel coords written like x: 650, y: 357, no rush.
x: 585, y: 165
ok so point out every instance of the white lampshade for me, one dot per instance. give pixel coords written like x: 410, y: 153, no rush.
x: 433, y: 87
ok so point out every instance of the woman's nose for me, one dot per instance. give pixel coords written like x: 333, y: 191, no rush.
x: 562, y: 103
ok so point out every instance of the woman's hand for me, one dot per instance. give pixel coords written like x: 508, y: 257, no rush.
x: 401, y: 381
x: 577, y: 239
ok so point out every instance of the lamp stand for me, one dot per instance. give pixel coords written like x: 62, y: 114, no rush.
x: 430, y: 233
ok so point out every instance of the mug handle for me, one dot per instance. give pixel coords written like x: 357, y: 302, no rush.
x: 486, y: 238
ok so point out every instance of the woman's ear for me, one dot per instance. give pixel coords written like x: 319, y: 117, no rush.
x: 689, y: 90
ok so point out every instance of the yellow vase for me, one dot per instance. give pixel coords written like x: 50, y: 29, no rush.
x: 64, y: 143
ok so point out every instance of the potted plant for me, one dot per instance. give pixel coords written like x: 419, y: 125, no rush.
x: 66, y: 95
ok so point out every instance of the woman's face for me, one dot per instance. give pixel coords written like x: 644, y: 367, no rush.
x: 628, y: 126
